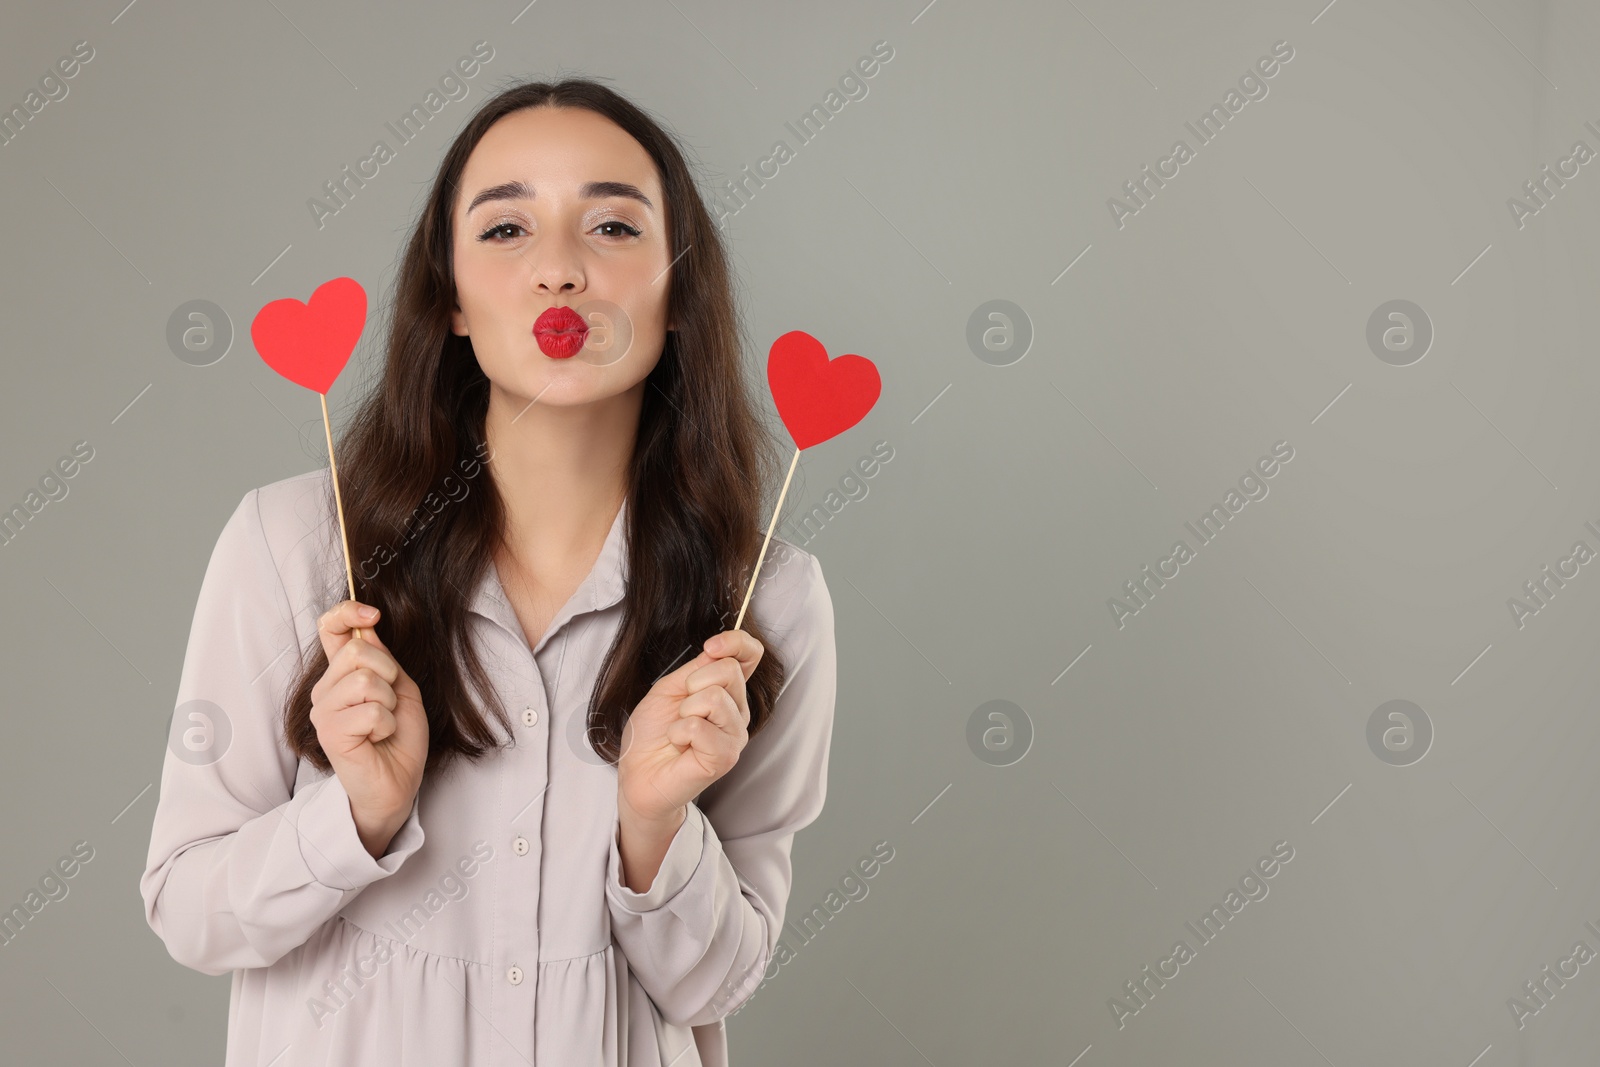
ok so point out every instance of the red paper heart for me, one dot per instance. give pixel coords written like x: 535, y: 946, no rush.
x: 310, y: 343
x: 818, y: 397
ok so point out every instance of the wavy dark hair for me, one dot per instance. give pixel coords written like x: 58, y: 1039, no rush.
x: 694, y: 484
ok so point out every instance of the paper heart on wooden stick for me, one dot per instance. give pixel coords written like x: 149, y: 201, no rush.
x: 817, y: 397
x: 310, y: 343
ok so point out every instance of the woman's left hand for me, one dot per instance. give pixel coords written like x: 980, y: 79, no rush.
x: 688, y: 730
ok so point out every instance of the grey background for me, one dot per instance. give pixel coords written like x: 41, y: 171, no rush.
x: 1230, y: 313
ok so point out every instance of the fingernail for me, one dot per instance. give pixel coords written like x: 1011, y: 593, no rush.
x: 369, y: 613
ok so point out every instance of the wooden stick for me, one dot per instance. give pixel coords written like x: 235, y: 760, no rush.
x: 338, y: 502
x: 765, y: 543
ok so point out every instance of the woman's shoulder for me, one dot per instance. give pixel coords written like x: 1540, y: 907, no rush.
x: 791, y: 593
x: 293, y: 511
x: 293, y: 518
x: 294, y: 504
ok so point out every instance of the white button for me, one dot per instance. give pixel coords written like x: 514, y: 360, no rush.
x: 530, y: 717
x: 514, y: 976
x: 519, y: 845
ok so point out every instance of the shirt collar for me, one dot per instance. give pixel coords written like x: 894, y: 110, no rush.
x: 602, y: 587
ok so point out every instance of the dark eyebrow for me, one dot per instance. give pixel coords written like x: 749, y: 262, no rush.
x: 520, y: 190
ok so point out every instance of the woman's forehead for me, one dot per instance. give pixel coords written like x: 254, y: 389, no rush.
x: 558, y: 152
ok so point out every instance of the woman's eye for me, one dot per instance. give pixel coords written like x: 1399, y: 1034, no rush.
x: 488, y: 234
x: 497, y: 234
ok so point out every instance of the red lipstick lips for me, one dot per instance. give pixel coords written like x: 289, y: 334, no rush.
x: 560, y: 332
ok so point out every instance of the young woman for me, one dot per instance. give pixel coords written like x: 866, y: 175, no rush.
x: 538, y: 808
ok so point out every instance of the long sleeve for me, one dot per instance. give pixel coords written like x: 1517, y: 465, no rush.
x: 242, y: 868
x: 701, y: 937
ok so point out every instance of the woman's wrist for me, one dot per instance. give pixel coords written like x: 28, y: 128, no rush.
x: 650, y: 823
x: 377, y: 833
x: 642, y: 843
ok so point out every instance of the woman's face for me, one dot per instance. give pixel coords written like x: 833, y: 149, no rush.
x: 561, y: 208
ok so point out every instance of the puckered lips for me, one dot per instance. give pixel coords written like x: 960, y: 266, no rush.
x: 560, y: 332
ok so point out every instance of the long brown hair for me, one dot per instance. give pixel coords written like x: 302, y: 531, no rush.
x: 694, y: 483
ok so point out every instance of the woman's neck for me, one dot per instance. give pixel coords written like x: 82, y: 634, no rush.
x: 561, y: 472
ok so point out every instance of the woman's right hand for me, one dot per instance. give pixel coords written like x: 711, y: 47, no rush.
x: 371, y: 724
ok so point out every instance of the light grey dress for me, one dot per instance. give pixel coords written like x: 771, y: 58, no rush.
x: 496, y: 929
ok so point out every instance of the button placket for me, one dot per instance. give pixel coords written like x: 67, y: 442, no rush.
x: 524, y: 778
x: 527, y: 775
